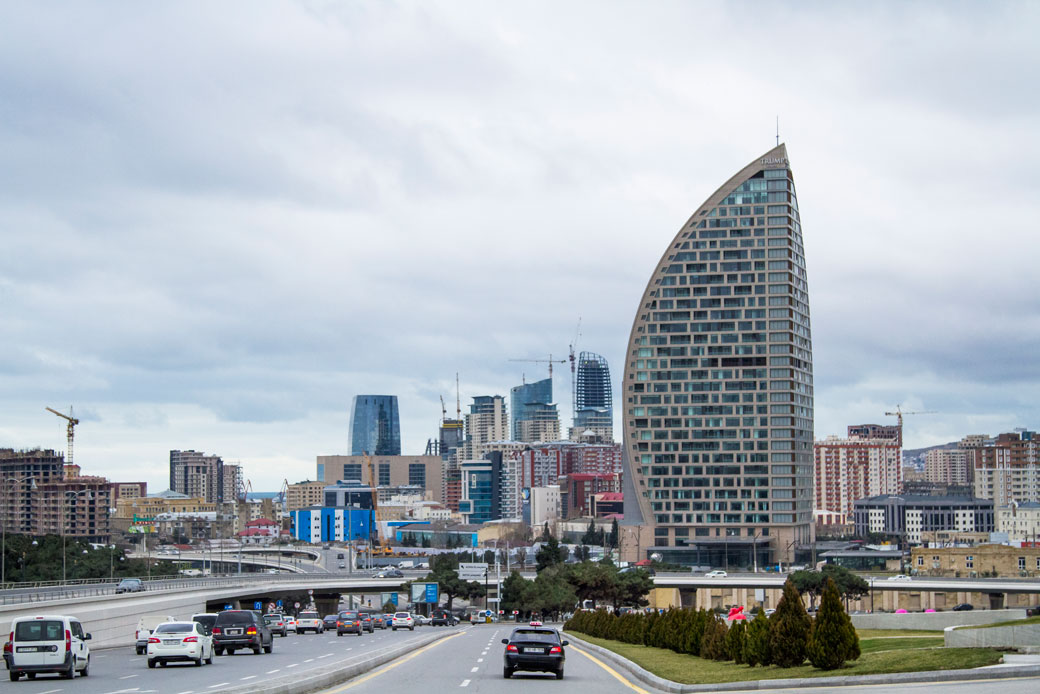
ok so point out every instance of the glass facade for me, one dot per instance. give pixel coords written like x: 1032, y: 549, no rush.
x: 530, y: 401
x: 375, y: 425
x: 718, y: 389
x: 593, y: 399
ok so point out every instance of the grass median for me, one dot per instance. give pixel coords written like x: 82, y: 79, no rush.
x: 879, y: 655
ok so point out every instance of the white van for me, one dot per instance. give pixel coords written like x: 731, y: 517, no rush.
x: 48, y: 643
x: 407, y: 564
x: 145, y: 625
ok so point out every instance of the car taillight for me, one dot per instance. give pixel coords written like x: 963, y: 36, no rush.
x: 251, y: 631
x: 152, y: 639
x: 555, y: 649
x: 216, y: 630
x: 137, y: 634
x: 357, y: 624
x: 195, y: 639
x: 68, y: 640
x: 339, y: 624
x: 511, y: 649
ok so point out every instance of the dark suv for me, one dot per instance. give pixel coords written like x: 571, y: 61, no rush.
x: 236, y: 629
x: 349, y: 622
x: 442, y: 618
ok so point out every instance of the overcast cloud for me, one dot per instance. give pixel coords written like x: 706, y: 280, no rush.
x: 221, y: 221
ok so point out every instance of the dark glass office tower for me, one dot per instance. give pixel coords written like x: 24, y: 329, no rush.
x: 718, y: 386
x: 530, y: 402
x: 375, y: 425
x: 593, y: 399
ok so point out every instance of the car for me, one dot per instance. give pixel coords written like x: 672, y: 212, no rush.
x: 47, y: 643
x: 349, y: 622
x: 145, y: 624
x: 236, y: 629
x: 180, y: 642
x: 534, y: 649
x: 388, y: 619
x: 130, y: 585
x: 367, y: 622
x: 442, y: 618
x: 402, y: 620
x: 342, y: 565
x: 391, y: 572
x: 963, y: 607
x: 423, y: 621
x: 900, y: 577
x: 715, y: 574
x: 290, y: 623
x: 339, y: 555
x: 378, y: 621
x: 328, y: 622
x: 309, y: 621
x: 206, y: 619
x: 277, y: 623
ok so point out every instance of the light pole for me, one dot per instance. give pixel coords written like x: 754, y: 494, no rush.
x: 67, y: 496
x: 6, y: 512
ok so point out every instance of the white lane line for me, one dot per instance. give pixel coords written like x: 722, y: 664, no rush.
x: 289, y: 666
x: 327, y: 655
x: 465, y: 683
x: 474, y: 669
x: 221, y: 684
x: 243, y: 679
x: 271, y: 672
x: 126, y: 677
x: 309, y: 660
x: 50, y: 691
x: 189, y: 691
x: 480, y: 660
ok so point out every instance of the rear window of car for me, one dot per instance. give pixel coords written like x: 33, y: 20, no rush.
x: 235, y: 618
x: 544, y: 636
x: 40, y: 630
x: 130, y: 582
x: 348, y: 615
x: 175, y: 628
x: 402, y: 615
x: 205, y: 619
x: 308, y: 615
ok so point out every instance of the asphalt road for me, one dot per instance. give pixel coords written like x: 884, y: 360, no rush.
x: 471, y: 661
x: 119, y: 670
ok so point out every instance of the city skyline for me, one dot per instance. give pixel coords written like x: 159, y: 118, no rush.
x: 217, y: 232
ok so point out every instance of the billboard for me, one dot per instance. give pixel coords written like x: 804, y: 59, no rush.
x: 425, y: 593
x: 388, y: 597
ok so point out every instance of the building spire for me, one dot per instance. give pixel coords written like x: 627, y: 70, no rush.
x: 778, y: 130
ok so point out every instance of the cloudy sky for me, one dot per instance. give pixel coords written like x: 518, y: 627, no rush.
x: 221, y: 221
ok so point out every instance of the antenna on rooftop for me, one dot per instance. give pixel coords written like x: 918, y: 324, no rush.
x: 778, y: 130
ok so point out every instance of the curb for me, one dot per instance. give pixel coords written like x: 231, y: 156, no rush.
x: 648, y: 678
x: 336, y: 674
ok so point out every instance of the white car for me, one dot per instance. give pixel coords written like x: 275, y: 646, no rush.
x: 900, y: 577
x: 48, y: 643
x: 290, y: 624
x: 403, y: 620
x: 715, y: 574
x: 310, y: 621
x: 180, y: 641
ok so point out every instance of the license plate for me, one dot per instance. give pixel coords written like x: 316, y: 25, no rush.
x: 31, y: 649
x: 534, y: 650
x: 170, y: 642
x: 234, y: 632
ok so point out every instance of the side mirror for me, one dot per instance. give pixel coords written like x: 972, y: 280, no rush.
x: 86, y: 637
x: 506, y: 641
x: 566, y: 643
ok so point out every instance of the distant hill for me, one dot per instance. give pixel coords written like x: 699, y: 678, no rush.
x: 915, y: 456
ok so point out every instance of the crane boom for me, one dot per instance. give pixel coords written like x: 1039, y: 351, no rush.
x: 70, y: 430
x: 898, y: 414
x: 550, y: 361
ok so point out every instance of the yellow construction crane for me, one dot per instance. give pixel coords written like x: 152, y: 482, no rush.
x: 550, y: 361
x: 377, y: 513
x: 72, y: 422
x: 898, y: 414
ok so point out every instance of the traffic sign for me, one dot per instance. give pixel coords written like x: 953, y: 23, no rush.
x: 310, y: 591
x: 297, y: 605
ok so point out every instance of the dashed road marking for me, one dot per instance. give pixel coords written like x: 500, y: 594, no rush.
x: 221, y: 684
x: 309, y: 660
x: 271, y: 672
x: 480, y: 660
x: 465, y: 683
x: 327, y: 655
x: 289, y: 666
x: 248, y: 678
x: 126, y: 677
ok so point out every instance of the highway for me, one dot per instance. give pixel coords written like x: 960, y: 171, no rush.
x: 120, y: 670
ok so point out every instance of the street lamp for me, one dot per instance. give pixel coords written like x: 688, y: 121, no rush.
x: 68, y: 495
x: 6, y: 511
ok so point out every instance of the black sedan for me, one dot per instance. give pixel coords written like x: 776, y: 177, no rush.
x: 533, y: 649
x: 964, y: 607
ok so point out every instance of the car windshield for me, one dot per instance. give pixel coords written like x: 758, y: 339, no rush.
x: 40, y: 630
x: 175, y: 628
x: 539, y: 635
x: 129, y: 581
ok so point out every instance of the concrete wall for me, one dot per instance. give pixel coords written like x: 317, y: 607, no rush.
x: 934, y: 620
x: 1013, y: 636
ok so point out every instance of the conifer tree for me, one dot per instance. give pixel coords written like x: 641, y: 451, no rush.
x: 833, y: 639
x: 789, y: 629
x: 735, y: 640
x: 756, y: 642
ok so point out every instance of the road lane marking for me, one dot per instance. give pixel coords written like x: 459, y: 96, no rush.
x: 289, y: 666
x: 247, y: 678
x: 611, y: 670
x: 309, y: 660
x: 271, y: 672
x: 474, y: 669
x: 50, y: 691
x: 465, y: 683
x: 126, y: 677
x: 327, y: 655
x: 480, y: 660
x: 391, y: 666
x: 221, y: 684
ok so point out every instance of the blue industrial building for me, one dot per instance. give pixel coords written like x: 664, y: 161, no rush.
x: 327, y: 524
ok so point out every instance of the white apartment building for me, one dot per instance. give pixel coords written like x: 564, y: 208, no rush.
x: 545, y: 505
x: 1020, y: 521
x: 948, y: 465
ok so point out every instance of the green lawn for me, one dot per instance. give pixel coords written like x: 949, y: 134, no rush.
x: 908, y: 658
x: 876, y: 633
x: 1014, y: 623
x: 896, y: 643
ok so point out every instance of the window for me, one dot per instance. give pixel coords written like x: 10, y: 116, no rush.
x: 920, y: 560
x: 1021, y: 563
x: 969, y: 562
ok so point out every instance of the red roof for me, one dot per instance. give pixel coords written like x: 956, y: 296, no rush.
x: 260, y: 522
x: 253, y: 532
x: 610, y: 496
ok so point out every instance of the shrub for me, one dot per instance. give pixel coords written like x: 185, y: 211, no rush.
x: 757, y: 650
x: 713, y: 645
x: 832, y: 639
x: 735, y: 640
x: 789, y: 629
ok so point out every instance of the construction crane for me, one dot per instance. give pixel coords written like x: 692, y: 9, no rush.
x: 376, y: 545
x: 898, y: 414
x: 72, y: 422
x: 574, y: 379
x: 550, y: 361
x: 444, y: 410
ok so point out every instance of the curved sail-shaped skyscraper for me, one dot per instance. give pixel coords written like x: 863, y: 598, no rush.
x: 718, y: 389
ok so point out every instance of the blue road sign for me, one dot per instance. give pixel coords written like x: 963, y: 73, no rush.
x: 258, y: 605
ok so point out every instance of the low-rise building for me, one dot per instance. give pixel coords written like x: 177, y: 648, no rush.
x: 989, y: 560
x: 1021, y: 522
x: 304, y: 494
x: 907, y: 516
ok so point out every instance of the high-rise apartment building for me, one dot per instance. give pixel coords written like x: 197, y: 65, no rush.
x: 718, y: 388
x: 486, y: 421
x: 854, y: 468
x: 452, y: 434
x: 877, y: 431
x: 489, y: 489
x: 948, y: 466
x: 593, y: 398
x: 375, y: 425
x: 534, y: 416
x: 1007, y: 468
x: 198, y: 475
